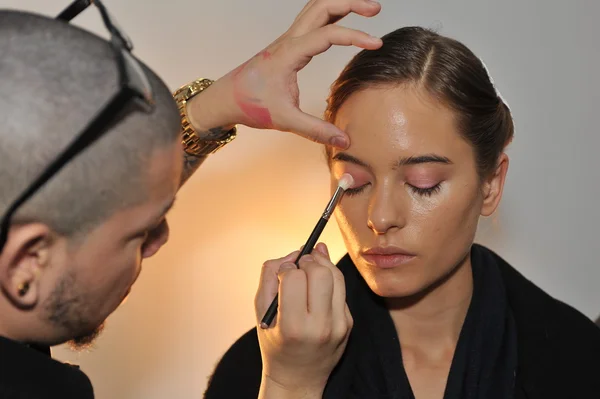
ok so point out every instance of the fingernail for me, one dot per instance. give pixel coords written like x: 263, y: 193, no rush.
x: 339, y: 142
x: 321, y: 248
x: 308, y: 258
x: 372, y: 2
x: 286, y: 266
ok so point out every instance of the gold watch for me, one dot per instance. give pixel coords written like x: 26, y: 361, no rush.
x: 193, y: 144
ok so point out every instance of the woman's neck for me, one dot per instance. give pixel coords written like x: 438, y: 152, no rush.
x: 432, y: 323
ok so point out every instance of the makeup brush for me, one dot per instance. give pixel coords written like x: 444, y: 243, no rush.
x: 343, y: 184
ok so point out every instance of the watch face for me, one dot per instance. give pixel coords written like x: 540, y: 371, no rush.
x: 190, y: 92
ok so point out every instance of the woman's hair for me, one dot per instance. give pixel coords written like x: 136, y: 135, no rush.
x: 448, y: 71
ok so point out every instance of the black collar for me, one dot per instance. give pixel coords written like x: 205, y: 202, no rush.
x: 29, y: 372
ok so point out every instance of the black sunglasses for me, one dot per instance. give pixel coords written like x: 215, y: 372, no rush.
x: 134, y: 84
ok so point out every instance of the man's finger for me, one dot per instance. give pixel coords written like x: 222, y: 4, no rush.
x: 269, y: 283
x: 324, y: 12
x: 321, y: 247
x: 320, y: 40
x: 293, y: 299
x: 349, y: 318
x: 338, y: 299
x: 301, y: 14
x: 320, y: 289
x: 314, y: 129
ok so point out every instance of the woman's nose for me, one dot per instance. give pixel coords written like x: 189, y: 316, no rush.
x: 385, y: 210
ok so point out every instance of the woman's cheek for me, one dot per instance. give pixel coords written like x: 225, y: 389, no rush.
x: 349, y: 227
x: 351, y: 213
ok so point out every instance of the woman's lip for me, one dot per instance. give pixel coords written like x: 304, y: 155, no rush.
x: 387, y: 261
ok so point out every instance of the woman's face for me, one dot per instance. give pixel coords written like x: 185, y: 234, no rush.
x: 411, y: 216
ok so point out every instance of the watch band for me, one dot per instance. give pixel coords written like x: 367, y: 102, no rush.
x: 193, y: 144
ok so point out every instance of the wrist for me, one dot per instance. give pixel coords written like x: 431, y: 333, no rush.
x: 212, y: 108
x: 271, y: 389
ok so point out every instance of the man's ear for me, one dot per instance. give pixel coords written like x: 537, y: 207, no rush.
x: 493, y: 186
x: 23, y: 262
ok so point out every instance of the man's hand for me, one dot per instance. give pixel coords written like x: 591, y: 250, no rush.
x: 263, y: 92
x: 309, y: 335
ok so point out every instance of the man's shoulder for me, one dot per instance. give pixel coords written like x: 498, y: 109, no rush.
x: 238, y: 373
x: 28, y: 371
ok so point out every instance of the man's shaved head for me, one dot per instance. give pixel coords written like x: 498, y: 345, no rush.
x: 77, y: 245
x: 54, y: 78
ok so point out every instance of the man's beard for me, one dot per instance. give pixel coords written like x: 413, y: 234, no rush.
x: 67, y: 308
x: 85, y: 341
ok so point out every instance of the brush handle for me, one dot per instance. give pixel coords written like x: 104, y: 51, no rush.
x: 312, y: 239
x: 307, y: 249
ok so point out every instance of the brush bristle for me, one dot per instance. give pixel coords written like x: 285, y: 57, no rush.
x: 346, y: 181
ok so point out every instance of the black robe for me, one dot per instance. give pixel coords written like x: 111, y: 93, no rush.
x: 27, y: 372
x: 557, y: 348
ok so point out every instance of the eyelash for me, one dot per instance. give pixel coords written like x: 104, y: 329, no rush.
x: 144, y: 235
x: 424, y: 192
x: 354, y: 191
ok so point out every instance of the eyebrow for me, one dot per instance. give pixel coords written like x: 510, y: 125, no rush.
x: 154, y: 222
x: 344, y: 157
x: 165, y: 210
x: 403, y: 161
x: 421, y: 159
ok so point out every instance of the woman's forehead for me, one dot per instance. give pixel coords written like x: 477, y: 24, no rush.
x: 398, y: 119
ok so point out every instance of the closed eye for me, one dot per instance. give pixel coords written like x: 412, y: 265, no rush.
x: 424, y: 192
x: 355, y: 191
x: 427, y: 191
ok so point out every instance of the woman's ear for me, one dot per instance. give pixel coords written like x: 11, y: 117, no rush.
x: 493, y: 186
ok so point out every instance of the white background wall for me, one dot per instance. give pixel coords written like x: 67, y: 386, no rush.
x: 260, y: 197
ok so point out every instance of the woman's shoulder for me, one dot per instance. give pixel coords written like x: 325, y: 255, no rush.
x: 530, y: 304
x: 238, y: 373
x: 559, y: 347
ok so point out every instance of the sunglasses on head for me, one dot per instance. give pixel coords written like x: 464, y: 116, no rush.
x: 134, y: 86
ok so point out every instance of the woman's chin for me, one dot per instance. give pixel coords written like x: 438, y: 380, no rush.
x: 395, y: 286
